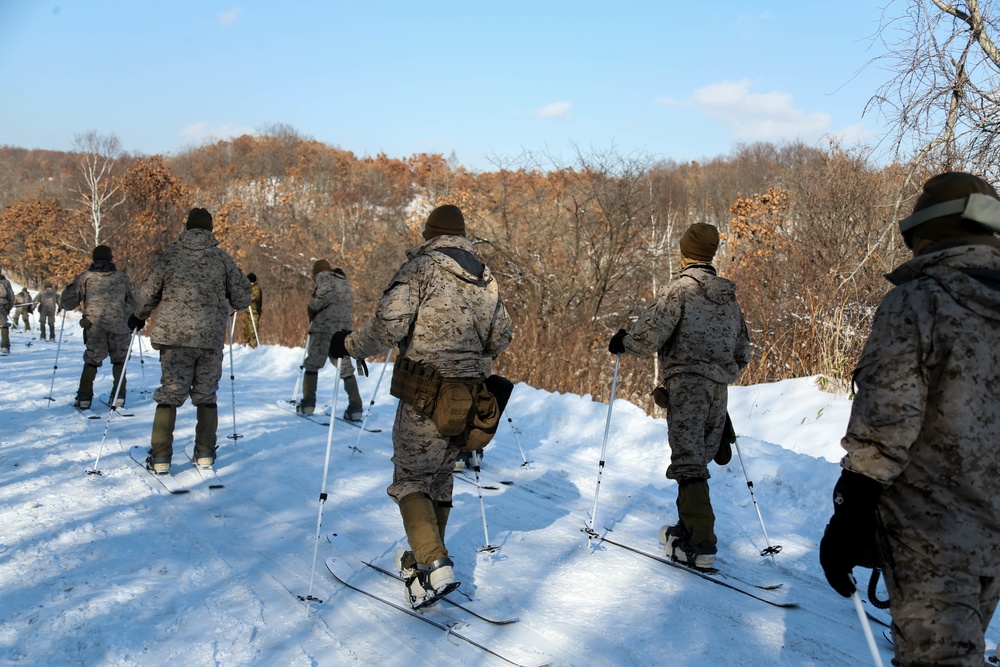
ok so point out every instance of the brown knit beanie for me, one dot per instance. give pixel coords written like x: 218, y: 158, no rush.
x: 320, y: 266
x: 949, y: 186
x: 199, y: 218
x: 445, y: 220
x: 700, y: 242
x: 102, y: 253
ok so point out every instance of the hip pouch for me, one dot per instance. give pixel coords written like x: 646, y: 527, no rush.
x: 489, y: 400
x: 415, y: 384
x: 453, y: 407
x: 660, y: 396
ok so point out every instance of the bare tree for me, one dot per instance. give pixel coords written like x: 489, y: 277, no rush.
x: 943, y: 101
x: 99, y: 190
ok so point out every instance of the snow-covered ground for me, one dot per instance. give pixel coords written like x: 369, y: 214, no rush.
x: 109, y: 570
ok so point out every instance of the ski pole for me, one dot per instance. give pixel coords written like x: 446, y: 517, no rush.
x: 232, y: 379
x: 302, y: 369
x: 142, y: 367
x: 113, y: 409
x: 770, y: 550
x: 55, y: 365
x: 309, y: 599
x: 371, y: 402
x: 865, y: 626
x: 591, y: 533
x: 518, y: 441
x: 253, y: 324
x: 487, y: 547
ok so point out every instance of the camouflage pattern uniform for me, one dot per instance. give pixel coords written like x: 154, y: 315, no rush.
x: 48, y: 302
x: 192, y: 286
x: 697, y: 328
x: 329, y: 312
x: 443, y: 309
x: 107, y: 298
x: 247, y: 334
x: 23, y: 308
x: 924, y: 423
x: 6, y: 304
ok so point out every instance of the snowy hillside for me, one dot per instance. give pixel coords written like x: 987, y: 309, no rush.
x: 109, y: 569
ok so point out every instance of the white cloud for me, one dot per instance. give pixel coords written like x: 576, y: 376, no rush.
x: 554, y: 110
x: 201, y: 132
x: 756, y: 116
x: 228, y: 18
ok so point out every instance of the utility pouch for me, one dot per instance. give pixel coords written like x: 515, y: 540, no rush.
x: 489, y: 400
x: 452, y: 408
x: 660, y: 396
x: 415, y: 384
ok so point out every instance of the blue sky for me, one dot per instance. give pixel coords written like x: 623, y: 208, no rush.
x: 487, y: 81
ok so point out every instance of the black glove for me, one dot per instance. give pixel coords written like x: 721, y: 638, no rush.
x: 362, y: 366
x: 135, y: 324
x: 337, y: 349
x: 617, y: 344
x: 850, y: 537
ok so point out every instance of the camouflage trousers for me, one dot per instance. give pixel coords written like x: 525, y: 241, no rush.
x: 696, y: 417
x: 50, y: 319
x: 247, y: 335
x: 188, y: 371
x: 101, y: 344
x: 422, y: 458
x: 939, y: 614
x: 22, y: 315
x: 319, y: 351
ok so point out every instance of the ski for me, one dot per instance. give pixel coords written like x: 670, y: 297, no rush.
x: 316, y: 417
x: 358, y: 425
x: 86, y: 414
x: 343, y: 572
x: 465, y: 608
x: 715, y: 577
x: 174, y: 483
x: 208, y: 475
x: 121, y: 411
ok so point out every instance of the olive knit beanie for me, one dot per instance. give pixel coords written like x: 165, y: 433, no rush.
x: 700, y: 242
x: 199, y: 218
x: 446, y: 220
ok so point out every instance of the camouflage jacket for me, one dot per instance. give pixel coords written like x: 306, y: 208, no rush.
x: 926, y: 414
x: 443, y: 308
x: 6, y: 299
x: 23, y: 299
x: 47, y: 301
x: 696, y: 326
x: 330, y: 307
x: 106, y: 295
x: 192, y: 286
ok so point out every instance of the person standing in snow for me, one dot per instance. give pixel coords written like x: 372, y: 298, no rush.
x: 22, y: 308
x: 696, y: 327
x: 106, y: 295
x: 48, y: 303
x: 443, y: 309
x: 192, y: 286
x: 917, y: 494
x: 329, y: 312
x: 250, y: 331
x: 6, y: 304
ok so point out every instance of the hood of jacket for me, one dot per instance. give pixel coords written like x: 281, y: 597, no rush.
x: 455, y: 255
x: 102, y: 266
x: 717, y: 290
x: 197, y: 239
x: 969, y: 273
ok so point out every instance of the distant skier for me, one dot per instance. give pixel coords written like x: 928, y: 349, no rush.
x: 47, y: 302
x: 696, y: 327
x: 329, y: 312
x: 250, y: 329
x: 106, y: 295
x: 6, y: 305
x: 918, y: 491
x: 23, y: 307
x: 443, y: 309
x: 192, y: 287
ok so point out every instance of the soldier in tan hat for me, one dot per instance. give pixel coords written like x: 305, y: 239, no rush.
x: 107, y: 299
x: 696, y: 326
x: 329, y: 312
x: 918, y: 491
x: 443, y: 309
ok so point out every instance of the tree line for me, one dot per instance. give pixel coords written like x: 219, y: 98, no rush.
x: 579, y: 248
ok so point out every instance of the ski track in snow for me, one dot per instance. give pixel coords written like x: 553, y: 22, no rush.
x: 109, y: 569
